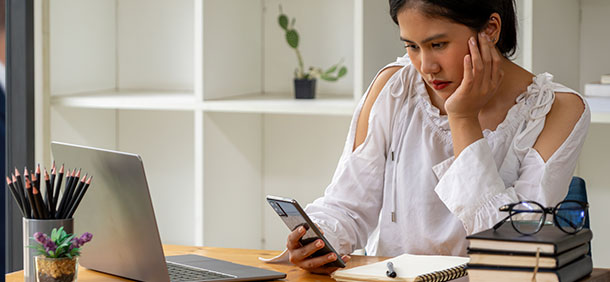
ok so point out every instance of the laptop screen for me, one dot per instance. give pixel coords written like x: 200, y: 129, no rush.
x: 118, y: 211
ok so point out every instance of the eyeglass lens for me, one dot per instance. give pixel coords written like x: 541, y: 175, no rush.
x: 570, y: 216
x: 527, y: 217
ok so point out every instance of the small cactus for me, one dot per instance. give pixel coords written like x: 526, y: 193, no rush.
x: 333, y: 73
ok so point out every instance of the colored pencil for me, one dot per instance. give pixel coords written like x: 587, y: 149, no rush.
x: 28, y: 187
x: 49, y: 195
x: 79, y: 197
x: 23, y: 193
x: 37, y: 180
x: 74, y: 199
x: 70, y: 194
x: 58, y: 187
x: 10, y: 186
x: 37, y: 192
x: 39, y: 204
x: 64, y: 197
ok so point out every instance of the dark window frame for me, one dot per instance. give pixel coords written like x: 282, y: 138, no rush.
x: 19, y: 114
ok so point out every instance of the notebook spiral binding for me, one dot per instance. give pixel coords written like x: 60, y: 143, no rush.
x: 443, y: 275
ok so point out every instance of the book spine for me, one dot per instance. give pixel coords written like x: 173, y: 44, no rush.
x: 575, y: 270
x: 573, y: 241
x: 443, y: 275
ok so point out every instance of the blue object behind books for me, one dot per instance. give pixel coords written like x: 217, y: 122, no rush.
x: 578, y: 192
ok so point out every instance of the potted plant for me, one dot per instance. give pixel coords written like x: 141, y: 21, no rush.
x: 305, y: 81
x: 58, y: 255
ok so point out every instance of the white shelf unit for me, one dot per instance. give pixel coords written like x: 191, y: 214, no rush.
x: 202, y: 90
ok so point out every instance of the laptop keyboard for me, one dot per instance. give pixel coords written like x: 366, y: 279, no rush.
x: 179, y: 273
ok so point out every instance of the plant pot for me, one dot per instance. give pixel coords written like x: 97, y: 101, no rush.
x: 56, y: 269
x: 304, y: 88
x: 31, y: 226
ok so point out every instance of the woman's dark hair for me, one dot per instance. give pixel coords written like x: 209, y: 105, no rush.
x: 472, y: 13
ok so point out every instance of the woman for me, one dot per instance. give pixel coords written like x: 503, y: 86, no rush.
x: 444, y: 137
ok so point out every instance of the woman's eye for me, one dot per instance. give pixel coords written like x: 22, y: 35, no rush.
x: 439, y: 45
x: 412, y: 46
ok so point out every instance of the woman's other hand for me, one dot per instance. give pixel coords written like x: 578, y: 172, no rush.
x: 482, y: 76
x: 301, y: 255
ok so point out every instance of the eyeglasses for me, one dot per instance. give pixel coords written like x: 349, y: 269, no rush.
x: 528, y: 217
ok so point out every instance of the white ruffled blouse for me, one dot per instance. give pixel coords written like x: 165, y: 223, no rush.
x: 402, y: 190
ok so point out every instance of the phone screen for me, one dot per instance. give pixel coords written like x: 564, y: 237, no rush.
x: 293, y: 216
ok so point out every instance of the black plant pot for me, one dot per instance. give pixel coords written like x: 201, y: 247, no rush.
x: 304, y: 88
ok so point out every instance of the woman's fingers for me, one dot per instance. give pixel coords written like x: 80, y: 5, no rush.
x: 318, y: 262
x: 468, y: 72
x: 485, y: 48
x: 476, y: 61
x: 293, y: 238
x: 309, y: 249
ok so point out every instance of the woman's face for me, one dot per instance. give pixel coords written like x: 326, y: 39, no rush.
x: 436, y: 48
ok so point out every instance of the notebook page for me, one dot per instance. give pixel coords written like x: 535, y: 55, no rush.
x: 407, y: 267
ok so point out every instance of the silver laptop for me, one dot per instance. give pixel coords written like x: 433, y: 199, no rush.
x: 118, y: 211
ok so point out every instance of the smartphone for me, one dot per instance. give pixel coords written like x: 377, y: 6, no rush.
x: 294, y: 216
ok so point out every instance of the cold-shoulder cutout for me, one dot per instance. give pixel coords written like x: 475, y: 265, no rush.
x: 363, y: 117
x: 566, y: 111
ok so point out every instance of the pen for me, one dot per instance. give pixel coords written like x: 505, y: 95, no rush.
x: 390, y: 273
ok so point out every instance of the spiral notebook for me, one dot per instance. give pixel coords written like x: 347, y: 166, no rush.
x: 408, y: 267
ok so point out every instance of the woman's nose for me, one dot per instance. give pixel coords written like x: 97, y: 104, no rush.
x: 429, y: 65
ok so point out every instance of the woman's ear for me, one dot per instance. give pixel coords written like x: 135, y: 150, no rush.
x: 493, y: 28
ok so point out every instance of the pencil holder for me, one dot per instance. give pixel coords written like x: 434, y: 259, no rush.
x: 31, y: 226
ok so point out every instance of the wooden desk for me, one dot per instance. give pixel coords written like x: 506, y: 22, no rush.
x: 250, y: 257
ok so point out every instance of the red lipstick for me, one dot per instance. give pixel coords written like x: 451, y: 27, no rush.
x: 439, y: 84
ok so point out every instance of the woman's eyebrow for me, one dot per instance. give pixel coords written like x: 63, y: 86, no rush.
x: 433, y: 37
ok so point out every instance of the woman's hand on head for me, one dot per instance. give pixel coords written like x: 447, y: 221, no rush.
x: 301, y: 255
x: 482, y: 77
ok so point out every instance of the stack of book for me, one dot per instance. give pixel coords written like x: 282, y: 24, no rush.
x: 550, y: 254
x: 601, y: 89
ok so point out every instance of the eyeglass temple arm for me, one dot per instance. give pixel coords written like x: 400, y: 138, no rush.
x: 501, y: 222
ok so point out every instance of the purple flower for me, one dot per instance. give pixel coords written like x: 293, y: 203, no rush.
x: 86, y: 237
x: 49, y: 246
x: 41, y: 237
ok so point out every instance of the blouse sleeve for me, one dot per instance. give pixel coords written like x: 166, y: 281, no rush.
x: 472, y: 188
x: 349, y: 210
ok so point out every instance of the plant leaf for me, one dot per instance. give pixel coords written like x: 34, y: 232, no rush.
x: 328, y: 77
x: 342, y: 72
x: 292, y: 37
x: 54, y: 235
x: 283, y: 21
x: 331, y: 69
